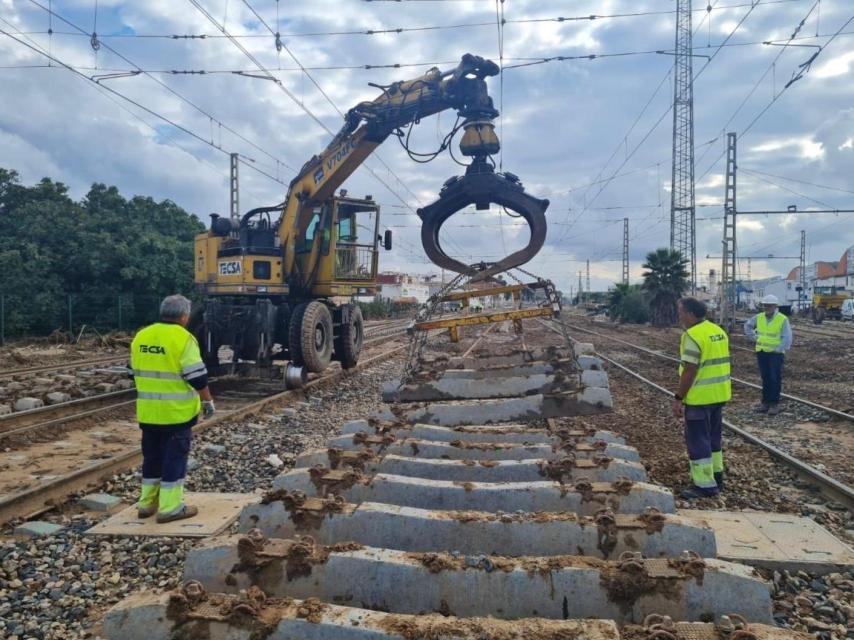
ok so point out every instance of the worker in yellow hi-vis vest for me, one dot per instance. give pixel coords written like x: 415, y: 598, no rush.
x: 704, y: 389
x: 773, y: 336
x: 171, y: 390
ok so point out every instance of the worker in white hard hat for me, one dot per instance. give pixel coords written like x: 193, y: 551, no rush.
x: 773, y: 336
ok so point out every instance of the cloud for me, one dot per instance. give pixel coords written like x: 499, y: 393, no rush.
x: 564, y: 125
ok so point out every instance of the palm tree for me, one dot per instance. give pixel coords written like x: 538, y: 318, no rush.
x: 665, y: 279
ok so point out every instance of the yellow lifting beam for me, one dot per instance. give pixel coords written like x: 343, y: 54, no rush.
x: 453, y: 324
x: 465, y: 296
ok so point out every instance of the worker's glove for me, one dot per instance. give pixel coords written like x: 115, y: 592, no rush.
x: 208, y: 408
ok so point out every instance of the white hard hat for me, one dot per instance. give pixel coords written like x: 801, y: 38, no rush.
x: 770, y: 299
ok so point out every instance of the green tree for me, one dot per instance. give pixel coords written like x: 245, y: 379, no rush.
x: 628, y: 303
x: 665, y: 280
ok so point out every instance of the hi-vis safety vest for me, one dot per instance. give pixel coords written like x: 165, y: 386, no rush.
x: 769, y: 335
x: 163, y: 357
x: 712, y: 384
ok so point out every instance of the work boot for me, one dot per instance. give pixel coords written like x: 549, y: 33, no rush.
x: 146, y: 512
x: 774, y: 409
x: 186, y: 511
x: 695, y: 493
x: 719, y: 479
x: 761, y: 408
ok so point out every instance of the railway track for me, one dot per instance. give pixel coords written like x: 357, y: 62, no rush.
x: 465, y: 509
x: 51, y: 421
x: 56, y: 415
x: 830, y: 486
x: 658, y: 354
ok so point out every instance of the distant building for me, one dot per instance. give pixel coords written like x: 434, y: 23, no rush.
x: 819, y: 277
x: 402, y: 288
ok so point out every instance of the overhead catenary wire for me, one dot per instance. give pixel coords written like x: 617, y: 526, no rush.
x: 670, y: 106
x: 112, y: 92
x: 804, y: 68
x: 171, y: 90
x: 385, y: 30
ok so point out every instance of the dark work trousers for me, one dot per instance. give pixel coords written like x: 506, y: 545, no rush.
x: 771, y: 370
x: 165, y: 452
x: 703, y: 436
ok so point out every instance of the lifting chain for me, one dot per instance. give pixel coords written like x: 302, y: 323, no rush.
x: 630, y: 561
x: 418, y: 340
x: 734, y: 627
x: 659, y: 627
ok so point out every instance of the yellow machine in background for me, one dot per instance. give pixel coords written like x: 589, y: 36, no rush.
x: 828, y: 306
x: 278, y: 280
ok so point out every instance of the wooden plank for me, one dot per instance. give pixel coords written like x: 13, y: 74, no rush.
x: 216, y: 513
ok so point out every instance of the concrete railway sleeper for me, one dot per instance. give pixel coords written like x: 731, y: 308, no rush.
x: 463, y: 509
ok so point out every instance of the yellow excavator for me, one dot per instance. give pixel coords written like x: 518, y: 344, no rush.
x: 278, y: 281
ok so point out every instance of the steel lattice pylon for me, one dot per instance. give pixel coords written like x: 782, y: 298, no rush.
x: 728, y: 260
x: 625, y: 251
x: 682, y: 218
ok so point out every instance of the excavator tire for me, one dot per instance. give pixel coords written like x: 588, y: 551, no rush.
x: 348, y: 345
x: 295, y: 334
x: 316, y: 336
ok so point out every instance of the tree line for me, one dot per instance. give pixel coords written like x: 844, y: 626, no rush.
x: 104, y: 245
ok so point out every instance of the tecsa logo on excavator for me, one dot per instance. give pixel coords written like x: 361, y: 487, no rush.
x: 342, y: 152
x: 230, y: 268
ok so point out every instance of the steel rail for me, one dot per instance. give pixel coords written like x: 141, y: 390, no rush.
x: 58, y: 413
x: 80, y: 364
x: 832, y: 487
x: 810, y: 403
x: 46, y: 496
x: 839, y: 491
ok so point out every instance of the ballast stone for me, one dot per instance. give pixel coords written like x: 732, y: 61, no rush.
x: 28, y: 404
x: 57, y: 397
x: 100, y: 502
x: 471, y: 532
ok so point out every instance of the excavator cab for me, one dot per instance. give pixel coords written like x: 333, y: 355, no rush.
x: 261, y: 312
x: 337, y: 249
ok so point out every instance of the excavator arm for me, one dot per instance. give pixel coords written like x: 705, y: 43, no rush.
x: 368, y: 124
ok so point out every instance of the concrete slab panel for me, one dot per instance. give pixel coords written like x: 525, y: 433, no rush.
x: 472, y: 389
x: 533, y: 470
x: 590, y: 401
x: 775, y: 540
x: 518, y: 433
x: 581, y: 498
x: 459, y: 450
x: 556, y: 587
x: 508, y: 534
x: 216, y: 512
x: 147, y: 616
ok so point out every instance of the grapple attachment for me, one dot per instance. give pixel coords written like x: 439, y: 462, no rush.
x: 481, y: 186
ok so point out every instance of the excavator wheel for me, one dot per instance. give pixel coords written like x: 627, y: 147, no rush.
x: 348, y: 345
x: 316, y: 336
x: 295, y: 335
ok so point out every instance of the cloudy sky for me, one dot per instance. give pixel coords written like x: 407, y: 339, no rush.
x: 593, y: 136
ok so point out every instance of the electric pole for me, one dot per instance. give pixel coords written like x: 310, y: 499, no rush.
x: 728, y: 288
x: 682, y: 212
x: 625, y: 251
x: 580, y: 288
x: 588, y: 275
x: 234, y: 200
x: 802, y: 271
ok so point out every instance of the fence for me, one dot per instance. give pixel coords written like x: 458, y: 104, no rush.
x: 42, y: 314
